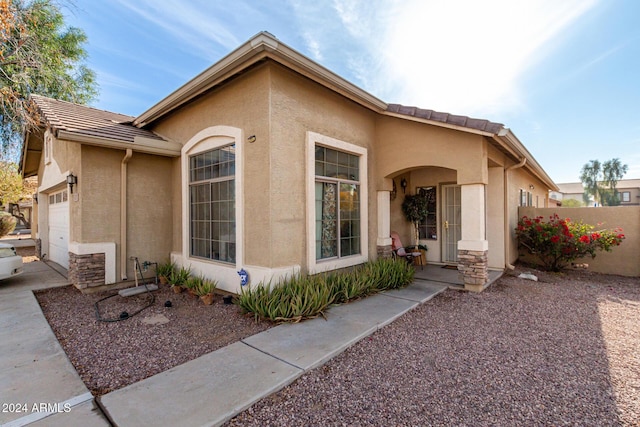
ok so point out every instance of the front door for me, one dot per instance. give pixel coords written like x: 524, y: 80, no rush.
x: 451, y: 219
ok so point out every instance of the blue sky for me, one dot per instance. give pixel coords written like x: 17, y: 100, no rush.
x: 563, y: 75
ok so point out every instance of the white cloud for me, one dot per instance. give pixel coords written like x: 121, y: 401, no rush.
x: 467, y: 56
x: 194, y: 23
x: 462, y: 56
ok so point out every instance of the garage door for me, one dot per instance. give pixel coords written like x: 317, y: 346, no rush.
x: 59, y: 228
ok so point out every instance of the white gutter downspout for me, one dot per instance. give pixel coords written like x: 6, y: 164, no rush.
x: 123, y: 214
x: 507, y: 240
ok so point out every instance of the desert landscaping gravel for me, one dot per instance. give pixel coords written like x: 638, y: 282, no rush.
x: 561, y: 351
x: 112, y: 355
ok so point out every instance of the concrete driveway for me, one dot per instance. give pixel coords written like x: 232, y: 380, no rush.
x: 38, y: 384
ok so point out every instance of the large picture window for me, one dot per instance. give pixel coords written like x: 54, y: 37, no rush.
x: 337, y: 204
x: 212, y: 204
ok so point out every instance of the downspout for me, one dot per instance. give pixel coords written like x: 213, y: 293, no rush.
x: 507, y: 240
x: 123, y: 214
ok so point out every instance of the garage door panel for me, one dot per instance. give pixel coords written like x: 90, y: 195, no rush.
x: 59, y: 233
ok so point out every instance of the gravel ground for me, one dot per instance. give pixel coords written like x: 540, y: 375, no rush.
x: 109, y: 356
x: 561, y: 351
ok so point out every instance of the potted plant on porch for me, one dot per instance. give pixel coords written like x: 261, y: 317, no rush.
x: 415, y: 209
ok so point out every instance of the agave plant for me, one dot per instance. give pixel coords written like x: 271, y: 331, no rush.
x: 179, y: 276
x: 164, y: 271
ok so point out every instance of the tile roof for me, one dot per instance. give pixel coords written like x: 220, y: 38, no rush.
x: 88, y: 121
x: 464, y: 121
x: 571, y: 188
x: 577, y: 187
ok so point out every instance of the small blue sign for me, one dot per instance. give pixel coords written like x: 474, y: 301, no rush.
x: 244, y: 277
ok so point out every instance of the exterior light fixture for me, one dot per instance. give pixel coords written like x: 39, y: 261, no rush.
x: 403, y: 184
x: 392, y: 193
x: 531, y: 187
x: 35, y: 197
x: 252, y: 139
x: 71, y: 181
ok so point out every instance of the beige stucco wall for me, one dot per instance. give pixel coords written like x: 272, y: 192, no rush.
x: 298, y: 106
x: 520, y: 178
x: 278, y: 107
x: 405, y: 144
x: 244, y: 104
x: 495, y: 218
x: 149, y: 211
x: 624, y: 259
x: 65, y: 158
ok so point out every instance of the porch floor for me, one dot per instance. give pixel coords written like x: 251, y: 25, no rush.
x: 436, y: 273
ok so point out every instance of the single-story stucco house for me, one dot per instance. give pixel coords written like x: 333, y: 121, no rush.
x: 269, y: 162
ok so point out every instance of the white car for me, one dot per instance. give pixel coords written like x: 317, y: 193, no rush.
x: 10, y: 261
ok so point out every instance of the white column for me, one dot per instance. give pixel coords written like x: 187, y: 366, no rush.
x: 384, y: 219
x: 473, y: 217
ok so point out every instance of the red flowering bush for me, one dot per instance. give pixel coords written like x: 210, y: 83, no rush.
x: 558, y: 242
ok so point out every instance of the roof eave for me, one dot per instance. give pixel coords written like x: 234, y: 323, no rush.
x: 506, y: 138
x: 139, y: 144
x: 263, y: 45
x: 438, y: 123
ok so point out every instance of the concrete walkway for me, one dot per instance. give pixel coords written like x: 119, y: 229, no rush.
x: 206, y: 391
x: 37, y: 382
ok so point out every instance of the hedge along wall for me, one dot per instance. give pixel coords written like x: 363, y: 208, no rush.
x: 624, y: 259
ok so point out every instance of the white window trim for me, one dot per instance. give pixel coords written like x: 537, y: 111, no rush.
x: 625, y: 196
x: 206, y: 140
x: 319, y: 266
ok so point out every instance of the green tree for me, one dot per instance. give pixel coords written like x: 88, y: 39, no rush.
x: 612, y: 171
x: 38, y: 55
x: 11, y: 184
x: 572, y: 203
x: 415, y: 208
x: 600, y: 181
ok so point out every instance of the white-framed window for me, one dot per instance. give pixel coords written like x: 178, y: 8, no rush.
x: 625, y: 196
x: 523, y: 198
x: 212, y: 219
x: 337, y: 224
x: 59, y: 197
x: 212, y: 205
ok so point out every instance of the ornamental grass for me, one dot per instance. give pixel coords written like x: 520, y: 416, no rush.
x: 302, y: 297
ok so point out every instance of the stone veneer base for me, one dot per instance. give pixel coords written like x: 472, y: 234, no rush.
x: 385, y: 251
x: 86, y: 271
x: 475, y: 270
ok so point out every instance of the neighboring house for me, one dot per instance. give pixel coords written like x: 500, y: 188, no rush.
x: 269, y: 162
x: 628, y: 192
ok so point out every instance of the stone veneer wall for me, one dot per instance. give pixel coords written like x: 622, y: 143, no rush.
x: 474, y: 268
x: 385, y: 251
x: 86, y: 271
x: 39, y: 248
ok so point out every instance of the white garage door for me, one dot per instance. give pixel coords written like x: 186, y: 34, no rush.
x: 59, y: 228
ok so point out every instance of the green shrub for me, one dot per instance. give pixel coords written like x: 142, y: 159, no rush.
x: 300, y: 297
x: 7, y: 223
x: 558, y: 242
